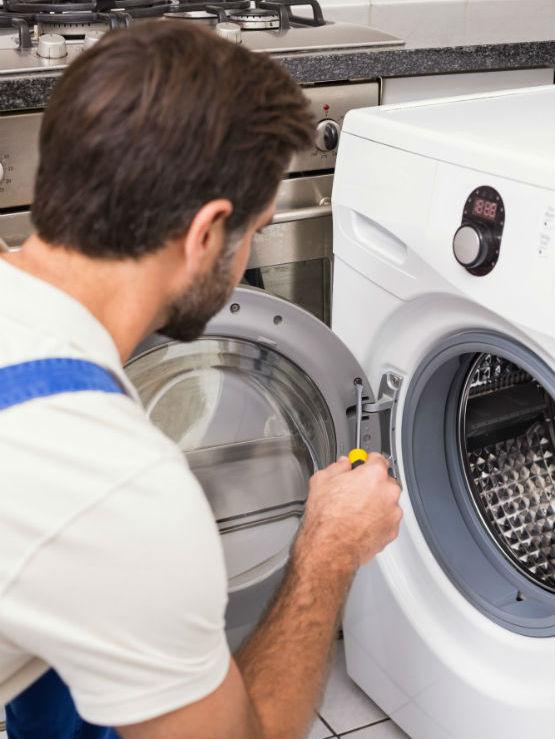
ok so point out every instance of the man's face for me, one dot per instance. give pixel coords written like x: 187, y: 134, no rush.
x: 190, y: 312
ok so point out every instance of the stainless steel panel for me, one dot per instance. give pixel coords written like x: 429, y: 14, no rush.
x: 292, y: 236
x: 330, y: 36
x: 293, y: 255
x: 16, y: 61
x: 19, y: 157
x: 333, y: 102
x: 15, y: 228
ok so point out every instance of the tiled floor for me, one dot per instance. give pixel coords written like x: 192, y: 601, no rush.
x: 348, y: 712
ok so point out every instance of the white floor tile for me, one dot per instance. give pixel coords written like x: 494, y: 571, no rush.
x: 345, y: 706
x: 385, y: 730
x: 319, y: 730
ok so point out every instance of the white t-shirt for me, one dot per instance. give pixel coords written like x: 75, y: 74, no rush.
x: 111, y: 566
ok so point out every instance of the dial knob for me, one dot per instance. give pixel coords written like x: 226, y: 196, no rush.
x: 471, y: 245
x: 52, y: 46
x: 1, y: 172
x: 91, y: 37
x: 229, y: 31
x: 327, y: 135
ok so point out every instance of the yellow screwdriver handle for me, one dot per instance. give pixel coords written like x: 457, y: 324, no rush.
x: 357, y: 457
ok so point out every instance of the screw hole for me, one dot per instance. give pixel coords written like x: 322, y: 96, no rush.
x: 520, y: 597
x: 235, y: 307
x: 278, y: 320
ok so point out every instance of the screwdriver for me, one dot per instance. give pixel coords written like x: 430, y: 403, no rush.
x: 358, y: 456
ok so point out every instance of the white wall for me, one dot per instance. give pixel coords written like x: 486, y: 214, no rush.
x: 451, y: 22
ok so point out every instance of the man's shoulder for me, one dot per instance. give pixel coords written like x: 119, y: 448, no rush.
x: 108, y: 427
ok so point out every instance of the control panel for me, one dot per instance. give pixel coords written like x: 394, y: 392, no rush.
x: 330, y: 104
x: 19, y: 156
x: 477, y: 241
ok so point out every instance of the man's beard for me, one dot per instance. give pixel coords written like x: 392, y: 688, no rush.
x: 189, y: 314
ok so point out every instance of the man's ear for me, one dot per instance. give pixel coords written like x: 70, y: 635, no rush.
x: 205, y: 237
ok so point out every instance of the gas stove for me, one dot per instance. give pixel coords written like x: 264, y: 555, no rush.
x: 38, y: 35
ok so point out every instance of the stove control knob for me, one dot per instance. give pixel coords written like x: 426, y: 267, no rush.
x: 471, y: 246
x: 52, y: 46
x: 229, y: 31
x: 91, y: 37
x: 327, y: 135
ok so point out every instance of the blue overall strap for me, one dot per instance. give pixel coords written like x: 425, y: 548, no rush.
x: 41, y: 378
x: 46, y: 709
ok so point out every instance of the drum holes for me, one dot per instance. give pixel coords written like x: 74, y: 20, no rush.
x: 278, y: 320
x: 520, y: 597
x: 234, y: 308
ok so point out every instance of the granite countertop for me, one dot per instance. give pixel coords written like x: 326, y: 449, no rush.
x: 31, y: 91
x: 406, y: 61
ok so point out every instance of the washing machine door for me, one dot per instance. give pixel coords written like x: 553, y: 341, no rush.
x: 264, y: 399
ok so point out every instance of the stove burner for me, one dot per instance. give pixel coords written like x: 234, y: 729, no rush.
x: 255, y: 18
x: 75, y: 18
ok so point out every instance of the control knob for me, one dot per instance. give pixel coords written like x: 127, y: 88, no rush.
x: 52, y: 46
x: 473, y: 245
x: 229, y: 31
x: 327, y: 135
x: 91, y: 38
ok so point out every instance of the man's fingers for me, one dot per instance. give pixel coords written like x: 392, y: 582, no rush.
x: 377, y: 458
x: 338, y: 468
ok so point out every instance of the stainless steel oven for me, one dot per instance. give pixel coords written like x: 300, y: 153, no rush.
x: 292, y: 259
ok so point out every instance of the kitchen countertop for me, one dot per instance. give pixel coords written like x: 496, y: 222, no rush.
x: 25, y: 91
x: 406, y: 61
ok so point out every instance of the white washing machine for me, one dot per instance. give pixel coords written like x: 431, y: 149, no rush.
x: 451, y: 629
x: 444, y: 290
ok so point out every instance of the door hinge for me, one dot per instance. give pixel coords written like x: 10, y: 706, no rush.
x: 390, y: 387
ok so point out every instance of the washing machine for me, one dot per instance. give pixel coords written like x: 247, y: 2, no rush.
x: 451, y: 628
x: 444, y: 291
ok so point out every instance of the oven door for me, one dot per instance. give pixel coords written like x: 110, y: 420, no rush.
x: 14, y: 229
x: 264, y: 399
x: 291, y: 258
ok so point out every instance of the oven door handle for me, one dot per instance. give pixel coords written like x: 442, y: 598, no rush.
x: 302, y: 214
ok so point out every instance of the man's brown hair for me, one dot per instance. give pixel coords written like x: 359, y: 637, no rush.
x: 152, y: 123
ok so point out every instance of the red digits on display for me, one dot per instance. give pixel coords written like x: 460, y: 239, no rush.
x: 485, y: 209
x: 490, y: 210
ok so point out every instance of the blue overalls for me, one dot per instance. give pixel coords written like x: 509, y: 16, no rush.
x: 46, y: 710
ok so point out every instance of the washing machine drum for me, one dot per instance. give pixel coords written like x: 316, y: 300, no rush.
x: 478, y: 435
x: 257, y: 405
x: 507, y: 443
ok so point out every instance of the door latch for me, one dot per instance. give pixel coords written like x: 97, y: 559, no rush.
x: 385, y: 406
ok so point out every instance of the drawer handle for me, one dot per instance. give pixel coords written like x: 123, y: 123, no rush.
x: 302, y: 214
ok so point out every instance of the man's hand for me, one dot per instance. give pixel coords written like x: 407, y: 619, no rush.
x: 352, y: 514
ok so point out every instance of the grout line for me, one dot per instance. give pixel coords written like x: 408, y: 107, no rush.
x: 366, y: 726
x: 327, y: 725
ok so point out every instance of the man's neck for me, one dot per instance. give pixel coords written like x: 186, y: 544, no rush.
x: 123, y: 295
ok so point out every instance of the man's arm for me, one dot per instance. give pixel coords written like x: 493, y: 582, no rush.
x: 272, y: 690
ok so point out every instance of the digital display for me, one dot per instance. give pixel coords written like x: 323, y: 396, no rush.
x: 484, y: 209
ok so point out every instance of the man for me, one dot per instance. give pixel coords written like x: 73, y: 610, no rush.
x: 160, y: 155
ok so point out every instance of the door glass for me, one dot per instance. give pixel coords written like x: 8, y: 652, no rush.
x: 253, y: 428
